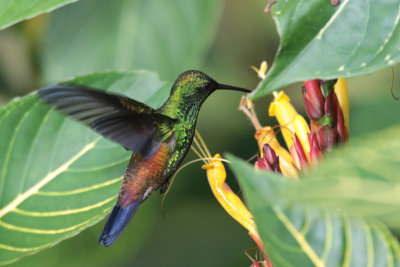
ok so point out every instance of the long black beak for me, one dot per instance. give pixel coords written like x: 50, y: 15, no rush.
x: 234, y: 88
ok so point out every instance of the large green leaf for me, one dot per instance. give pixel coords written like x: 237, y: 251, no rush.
x: 322, y: 41
x: 13, y: 11
x: 57, y: 177
x: 301, y: 235
x: 361, y: 179
x: 169, y: 36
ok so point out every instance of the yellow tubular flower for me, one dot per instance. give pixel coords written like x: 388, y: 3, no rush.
x: 266, y: 135
x: 284, y: 112
x: 343, y: 97
x: 290, y: 121
x: 302, y: 130
x: 232, y: 204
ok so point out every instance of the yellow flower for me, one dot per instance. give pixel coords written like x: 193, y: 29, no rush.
x: 290, y: 121
x: 266, y: 135
x: 302, y: 130
x: 232, y: 204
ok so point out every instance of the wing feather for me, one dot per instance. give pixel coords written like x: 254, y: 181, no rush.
x: 125, y: 121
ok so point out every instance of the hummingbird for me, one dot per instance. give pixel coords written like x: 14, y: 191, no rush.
x: 159, y: 138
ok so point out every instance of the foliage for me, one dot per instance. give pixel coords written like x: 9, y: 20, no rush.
x: 299, y: 222
x: 82, y: 191
x: 13, y: 11
x: 76, y: 188
x: 322, y: 41
x: 319, y: 219
x: 127, y: 35
x: 333, y: 214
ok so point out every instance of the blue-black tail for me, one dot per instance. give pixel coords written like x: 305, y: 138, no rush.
x: 117, y: 221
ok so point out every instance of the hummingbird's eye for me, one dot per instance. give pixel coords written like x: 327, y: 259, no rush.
x: 205, y: 85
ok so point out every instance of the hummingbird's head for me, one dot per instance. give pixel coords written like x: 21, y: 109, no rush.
x: 188, y: 93
x: 196, y: 85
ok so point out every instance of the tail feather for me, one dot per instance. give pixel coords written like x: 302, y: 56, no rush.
x: 117, y: 221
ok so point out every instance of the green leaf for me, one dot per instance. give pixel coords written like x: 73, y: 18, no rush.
x: 168, y: 36
x: 361, y: 179
x: 13, y: 11
x: 301, y: 235
x: 322, y: 41
x: 58, y: 177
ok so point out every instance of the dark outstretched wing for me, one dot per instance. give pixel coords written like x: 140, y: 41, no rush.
x: 130, y: 123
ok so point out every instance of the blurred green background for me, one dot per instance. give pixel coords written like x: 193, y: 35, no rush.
x: 221, y: 38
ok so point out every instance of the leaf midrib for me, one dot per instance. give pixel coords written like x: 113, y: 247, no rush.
x: 318, y: 36
x: 308, y: 250
x: 45, y: 180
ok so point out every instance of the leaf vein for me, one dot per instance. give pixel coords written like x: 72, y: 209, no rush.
x: 7, y: 156
x: 329, y: 236
x: 306, y: 224
x: 332, y: 19
x: 80, y: 190
x: 370, y: 246
x: 304, y: 245
x: 49, y: 177
x: 396, y: 23
x: 43, y: 231
x: 63, y: 212
x: 29, y: 158
x: 348, y: 244
x: 100, y: 167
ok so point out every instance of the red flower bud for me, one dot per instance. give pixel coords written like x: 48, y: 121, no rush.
x: 313, y: 112
x: 338, y: 121
x: 341, y: 129
x: 326, y: 137
x: 262, y: 164
x: 300, y: 152
x: 314, y: 93
x: 270, y: 161
x: 328, y: 105
x: 313, y: 99
x: 315, y: 151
